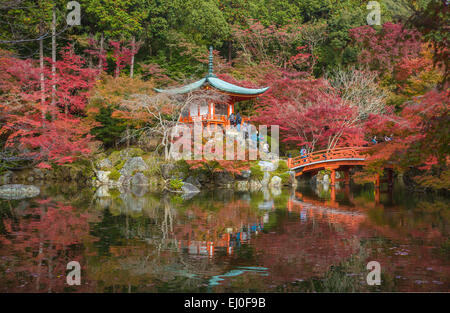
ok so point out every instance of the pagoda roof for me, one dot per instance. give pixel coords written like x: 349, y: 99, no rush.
x: 215, y: 82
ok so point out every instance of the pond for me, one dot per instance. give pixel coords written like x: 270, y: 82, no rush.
x: 312, y: 239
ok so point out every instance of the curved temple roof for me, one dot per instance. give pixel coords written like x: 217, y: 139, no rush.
x: 215, y: 82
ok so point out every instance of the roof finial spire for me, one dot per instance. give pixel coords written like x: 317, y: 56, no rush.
x: 210, y: 72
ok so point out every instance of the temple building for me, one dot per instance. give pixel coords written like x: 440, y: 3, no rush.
x: 214, y: 113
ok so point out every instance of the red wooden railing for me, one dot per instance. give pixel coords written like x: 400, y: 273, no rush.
x: 324, y: 155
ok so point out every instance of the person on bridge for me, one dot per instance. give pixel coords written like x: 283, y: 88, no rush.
x: 303, y: 152
x: 374, y: 140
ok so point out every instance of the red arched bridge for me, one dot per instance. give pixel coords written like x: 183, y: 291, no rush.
x: 339, y: 159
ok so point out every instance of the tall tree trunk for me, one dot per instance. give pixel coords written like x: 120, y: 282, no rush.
x: 229, y: 50
x: 53, y: 56
x: 41, y: 72
x: 102, y: 42
x: 128, y: 135
x: 133, y: 47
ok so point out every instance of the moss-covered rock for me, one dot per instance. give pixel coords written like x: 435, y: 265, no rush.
x: 256, y: 172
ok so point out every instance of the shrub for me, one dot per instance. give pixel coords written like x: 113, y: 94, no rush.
x: 176, y: 184
x: 284, y: 178
x: 256, y: 172
x: 119, y: 165
x: 114, y: 175
x: 282, y: 166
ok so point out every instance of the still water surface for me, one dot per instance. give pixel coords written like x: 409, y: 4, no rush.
x: 224, y: 241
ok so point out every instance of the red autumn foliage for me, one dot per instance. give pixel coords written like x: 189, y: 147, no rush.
x: 96, y: 51
x: 122, y: 55
x: 72, y: 81
x: 46, y: 132
x: 420, y: 132
x: 308, y: 113
x: 381, y: 50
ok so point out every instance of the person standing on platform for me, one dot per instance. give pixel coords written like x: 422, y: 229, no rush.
x: 238, y: 121
x: 232, y: 119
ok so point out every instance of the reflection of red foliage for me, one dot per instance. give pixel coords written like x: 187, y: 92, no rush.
x: 42, y: 243
x: 299, y: 250
x: 212, y: 225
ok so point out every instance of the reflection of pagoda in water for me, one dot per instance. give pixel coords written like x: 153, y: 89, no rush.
x: 225, y: 243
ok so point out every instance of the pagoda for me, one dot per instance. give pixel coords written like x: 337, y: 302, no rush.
x: 214, y: 113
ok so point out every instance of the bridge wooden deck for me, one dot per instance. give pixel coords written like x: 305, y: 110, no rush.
x: 339, y: 159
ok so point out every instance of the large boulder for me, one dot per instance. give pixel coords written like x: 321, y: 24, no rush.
x: 189, y: 188
x: 104, y: 164
x: 124, y: 180
x: 254, y: 185
x: 244, y: 175
x: 103, y: 176
x: 166, y: 170
x: 139, y: 179
x: 194, y: 181
x: 275, y: 182
x: 203, y: 178
x: 133, y: 165
x: 266, y: 179
x: 267, y: 166
x: 223, y: 178
x: 292, y: 179
x: 102, y: 192
x: 17, y: 191
x: 241, y: 185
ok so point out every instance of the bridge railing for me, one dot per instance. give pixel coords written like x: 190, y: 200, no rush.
x: 323, y: 155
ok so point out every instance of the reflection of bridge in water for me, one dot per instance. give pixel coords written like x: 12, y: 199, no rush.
x: 329, y: 211
x: 307, y: 208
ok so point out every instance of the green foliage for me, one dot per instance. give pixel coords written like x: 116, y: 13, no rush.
x: 176, y: 184
x: 282, y: 166
x: 116, y: 18
x: 114, y: 175
x: 114, y: 193
x: 120, y: 164
x: 110, y: 128
x: 285, y: 178
x: 256, y: 172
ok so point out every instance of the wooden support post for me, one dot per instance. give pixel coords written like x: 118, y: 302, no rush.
x: 333, y: 194
x: 347, y: 177
x: 377, y: 181
x: 377, y: 195
x: 333, y: 176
